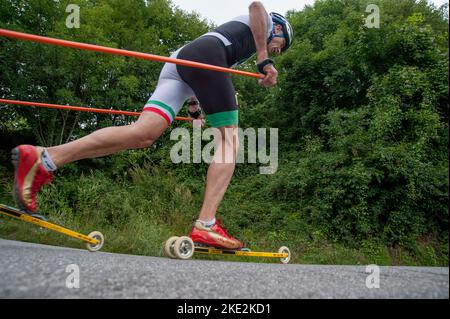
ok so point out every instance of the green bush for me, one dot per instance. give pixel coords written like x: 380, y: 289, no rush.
x: 363, y: 133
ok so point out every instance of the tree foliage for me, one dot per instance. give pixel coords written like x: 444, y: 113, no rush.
x: 362, y: 112
x: 364, y: 121
x: 44, y: 73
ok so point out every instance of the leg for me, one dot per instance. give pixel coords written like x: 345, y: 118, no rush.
x: 30, y: 174
x: 218, y: 178
x: 220, y: 171
x: 140, y: 134
x: 33, y: 165
x: 171, y: 92
x: 216, y: 93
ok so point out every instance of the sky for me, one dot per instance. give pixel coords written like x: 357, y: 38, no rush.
x: 220, y: 11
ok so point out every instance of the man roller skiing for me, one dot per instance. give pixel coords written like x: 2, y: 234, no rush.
x: 227, y: 46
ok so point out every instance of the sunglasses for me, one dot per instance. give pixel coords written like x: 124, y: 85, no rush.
x: 279, y: 36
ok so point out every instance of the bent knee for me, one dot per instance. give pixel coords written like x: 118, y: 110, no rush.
x: 143, y: 138
x: 229, y: 142
x: 230, y: 136
x: 144, y: 142
x: 147, y: 129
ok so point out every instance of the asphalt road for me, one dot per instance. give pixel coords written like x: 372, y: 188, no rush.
x: 40, y: 271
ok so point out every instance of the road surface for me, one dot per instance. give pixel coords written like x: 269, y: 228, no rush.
x: 41, y: 271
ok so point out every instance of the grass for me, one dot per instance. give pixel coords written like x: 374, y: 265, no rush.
x: 138, y: 213
x: 142, y: 237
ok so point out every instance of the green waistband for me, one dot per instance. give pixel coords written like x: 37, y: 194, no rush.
x: 223, y: 118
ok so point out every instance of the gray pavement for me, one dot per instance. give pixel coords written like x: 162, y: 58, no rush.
x: 41, y: 271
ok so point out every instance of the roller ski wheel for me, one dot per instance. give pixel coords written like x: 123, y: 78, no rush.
x: 285, y: 250
x: 94, y: 240
x: 183, y: 247
x: 169, y: 247
x: 99, y: 237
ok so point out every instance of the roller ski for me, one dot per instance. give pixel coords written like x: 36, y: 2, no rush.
x: 94, y: 241
x: 215, y: 241
x: 30, y: 175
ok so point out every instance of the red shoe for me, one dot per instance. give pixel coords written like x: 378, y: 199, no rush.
x: 29, y: 176
x: 214, y: 236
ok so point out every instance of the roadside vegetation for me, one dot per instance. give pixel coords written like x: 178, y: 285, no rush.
x: 362, y: 115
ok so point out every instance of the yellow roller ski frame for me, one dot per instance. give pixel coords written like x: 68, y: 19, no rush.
x: 184, y: 248
x: 94, y: 241
x: 215, y: 251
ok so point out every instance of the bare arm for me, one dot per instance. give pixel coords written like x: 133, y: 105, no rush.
x: 258, y: 25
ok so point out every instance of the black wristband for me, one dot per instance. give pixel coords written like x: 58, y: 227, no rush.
x: 263, y: 64
x: 195, y: 115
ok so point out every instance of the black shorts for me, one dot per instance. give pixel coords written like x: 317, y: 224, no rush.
x: 213, y: 89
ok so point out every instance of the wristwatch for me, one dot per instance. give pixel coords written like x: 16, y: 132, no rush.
x: 263, y: 64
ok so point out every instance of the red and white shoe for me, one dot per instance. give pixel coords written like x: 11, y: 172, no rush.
x: 214, y: 236
x: 29, y: 176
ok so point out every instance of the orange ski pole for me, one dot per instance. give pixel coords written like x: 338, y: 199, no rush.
x: 78, y: 108
x: 145, y: 56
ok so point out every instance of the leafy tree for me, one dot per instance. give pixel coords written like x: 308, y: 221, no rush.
x: 362, y: 113
x: 60, y: 75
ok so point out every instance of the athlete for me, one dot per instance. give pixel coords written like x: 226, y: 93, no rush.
x: 227, y: 46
